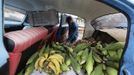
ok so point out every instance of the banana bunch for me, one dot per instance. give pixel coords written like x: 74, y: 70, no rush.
x: 106, y: 58
x: 96, y: 59
x: 49, y: 63
x: 99, y: 59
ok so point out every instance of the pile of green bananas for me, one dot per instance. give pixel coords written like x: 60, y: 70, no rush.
x: 92, y: 59
x: 99, y: 59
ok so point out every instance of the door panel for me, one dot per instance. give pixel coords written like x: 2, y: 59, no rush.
x: 127, y: 61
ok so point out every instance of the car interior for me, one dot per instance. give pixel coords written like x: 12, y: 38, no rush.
x: 37, y: 21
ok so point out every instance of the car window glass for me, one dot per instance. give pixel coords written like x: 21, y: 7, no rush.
x: 13, y: 17
x: 117, y: 20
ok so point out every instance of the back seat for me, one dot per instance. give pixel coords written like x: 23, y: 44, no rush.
x: 18, y: 43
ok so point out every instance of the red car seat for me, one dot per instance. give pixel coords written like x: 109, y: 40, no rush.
x: 18, y: 42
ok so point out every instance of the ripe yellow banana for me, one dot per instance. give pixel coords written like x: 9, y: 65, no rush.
x: 57, y: 65
x: 51, y: 66
x: 41, y: 62
x: 57, y: 58
x: 36, y: 65
x: 45, y: 55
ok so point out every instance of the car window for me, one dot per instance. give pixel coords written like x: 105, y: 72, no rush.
x: 13, y: 17
x: 117, y: 20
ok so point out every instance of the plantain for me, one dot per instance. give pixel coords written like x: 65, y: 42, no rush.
x: 21, y: 72
x: 58, y: 57
x: 52, y: 67
x: 79, y: 55
x: 57, y: 65
x: 104, y: 52
x: 64, y: 67
x: 46, y: 55
x: 29, y: 69
x: 112, y: 64
x: 114, y: 58
x: 36, y: 65
x: 32, y: 58
x: 84, y: 56
x: 114, y: 46
x: 99, y: 46
x: 89, y: 63
x: 76, y: 66
x: 68, y: 61
x: 98, y: 70
x: 81, y: 46
x: 42, y: 50
x: 111, y: 71
x: 41, y: 62
x: 104, y: 66
x: 97, y: 58
x: 119, y: 53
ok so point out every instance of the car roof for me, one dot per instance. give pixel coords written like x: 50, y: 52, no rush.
x: 87, y: 9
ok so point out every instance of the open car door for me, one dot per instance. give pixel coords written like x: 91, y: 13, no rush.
x: 127, y: 62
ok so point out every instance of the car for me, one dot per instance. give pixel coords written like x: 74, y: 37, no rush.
x: 25, y: 24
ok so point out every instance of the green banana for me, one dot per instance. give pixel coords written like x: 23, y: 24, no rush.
x: 114, y: 46
x: 68, y: 61
x: 89, y: 63
x: 68, y: 48
x: 111, y: 71
x: 99, y: 46
x: 64, y: 67
x: 104, y: 52
x: 104, y: 66
x: 76, y: 66
x: 119, y: 53
x: 112, y: 53
x: 84, y: 56
x: 80, y: 53
x: 97, y: 58
x: 98, y: 70
x: 21, y: 73
x: 112, y: 64
x: 57, y: 46
x: 42, y: 50
x: 32, y: 58
x: 29, y: 69
x: 114, y: 58
x: 80, y: 47
x: 78, y: 56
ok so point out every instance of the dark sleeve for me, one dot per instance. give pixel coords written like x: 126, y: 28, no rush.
x: 74, y: 34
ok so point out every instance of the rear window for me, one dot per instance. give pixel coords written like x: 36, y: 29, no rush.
x: 117, y: 20
x: 13, y: 17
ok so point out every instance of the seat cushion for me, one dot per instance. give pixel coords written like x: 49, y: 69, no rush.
x: 18, y: 41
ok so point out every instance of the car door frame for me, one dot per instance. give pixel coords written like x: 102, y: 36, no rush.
x: 127, y: 59
x: 4, y: 65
